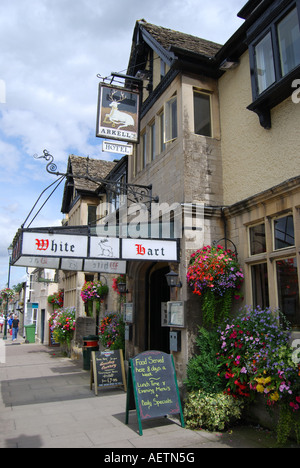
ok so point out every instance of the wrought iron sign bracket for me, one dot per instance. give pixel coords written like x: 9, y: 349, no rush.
x: 135, y: 193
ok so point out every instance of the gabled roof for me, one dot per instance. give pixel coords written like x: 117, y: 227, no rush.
x: 168, y: 39
x: 96, y: 168
x: 179, y: 50
x: 81, y: 166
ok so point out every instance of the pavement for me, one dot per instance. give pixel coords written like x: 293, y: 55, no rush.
x: 46, y: 402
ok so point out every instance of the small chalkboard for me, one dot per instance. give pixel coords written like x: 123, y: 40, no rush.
x: 153, y: 377
x: 108, y: 369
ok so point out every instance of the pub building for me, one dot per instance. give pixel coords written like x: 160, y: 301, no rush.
x: 218, y: 144
x: 218, y: 128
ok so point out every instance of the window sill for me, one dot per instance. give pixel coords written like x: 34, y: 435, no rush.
x: 273, y: 96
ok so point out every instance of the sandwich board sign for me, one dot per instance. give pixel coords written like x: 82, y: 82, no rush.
x: 152, y: 380
x: 107, y: 369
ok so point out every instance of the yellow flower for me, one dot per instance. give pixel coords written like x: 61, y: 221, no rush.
x: 260, y: 380
x: 260, y: 388
x: 267, y: 380
x: 274, y: 396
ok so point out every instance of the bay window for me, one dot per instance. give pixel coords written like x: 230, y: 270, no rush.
x: 274, y: 52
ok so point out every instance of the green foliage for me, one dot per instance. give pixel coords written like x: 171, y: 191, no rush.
x: 287, y: 422
x: 214, y: 412
x: 202, y: 370
x: 112, y: 331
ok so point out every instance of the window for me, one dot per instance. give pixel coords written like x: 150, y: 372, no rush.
x: 162, y: 145
x: 278, y: 52
x: 143, y: 151
x: 152, y: 141
x: 257, y: 239
x: 265, y: 63
x: 288, y: 289
x: 202, y: 114
x: 92, y: 215
x: 289, y: 42
x: 284, y: 232
x: 274, y: 52
x: 273, y: 266
x: 260, y: 285
x: 170, y: 120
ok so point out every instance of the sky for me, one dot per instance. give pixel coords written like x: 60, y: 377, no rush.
x: 50, y: 55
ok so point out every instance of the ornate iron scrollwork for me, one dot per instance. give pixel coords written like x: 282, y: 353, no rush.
x: 51, y: 166
x: 135, y: 193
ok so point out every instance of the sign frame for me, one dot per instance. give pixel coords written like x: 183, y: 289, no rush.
x: 128, y: 312
x: 132, y: 388
x: 176, y: 314
x: 94, y: 374
x: 112, y: 122
x: 75, y: 248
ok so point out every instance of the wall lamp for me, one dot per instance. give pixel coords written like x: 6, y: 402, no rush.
x: 122, y: 288
x: 172, y: 280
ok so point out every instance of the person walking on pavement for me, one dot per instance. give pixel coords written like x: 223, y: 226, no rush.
x: 15, y: 328
x: 1, y: 323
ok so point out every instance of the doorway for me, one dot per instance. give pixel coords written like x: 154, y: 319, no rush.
x: 159, y: 292
x: 43, y: 318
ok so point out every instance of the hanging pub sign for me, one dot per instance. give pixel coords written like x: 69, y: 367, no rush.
x: 118, y: 113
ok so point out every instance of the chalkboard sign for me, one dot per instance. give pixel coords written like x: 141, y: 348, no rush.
x: 154, y: 382
x: 108, y: 369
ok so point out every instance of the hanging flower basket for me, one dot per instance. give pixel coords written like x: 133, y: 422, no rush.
x: 215, y: 275
x: 57, y: 300
x: 7, y: 294
x: 112, y: 332
x: 93, y: 291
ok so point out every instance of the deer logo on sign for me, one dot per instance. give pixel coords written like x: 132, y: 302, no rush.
x: 106, y: 250
x: 118, y: 118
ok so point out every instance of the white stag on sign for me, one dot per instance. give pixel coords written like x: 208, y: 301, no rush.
x: 116, y: 117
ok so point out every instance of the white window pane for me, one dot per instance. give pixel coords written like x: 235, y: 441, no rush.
x: 265, y: 63
x: 171, y: 119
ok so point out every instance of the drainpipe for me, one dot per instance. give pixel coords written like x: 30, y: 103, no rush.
x: 223, y: 216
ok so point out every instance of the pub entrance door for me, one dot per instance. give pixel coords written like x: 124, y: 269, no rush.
x: 159, y: 292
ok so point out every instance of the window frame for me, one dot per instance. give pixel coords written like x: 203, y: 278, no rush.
x: 152, y: 134
x: 169, y: 125
x: 209, y: 95
x: 281, y: 216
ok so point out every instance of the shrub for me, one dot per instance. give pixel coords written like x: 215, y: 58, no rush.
x: 214, y: 412
x: 203, y: 369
